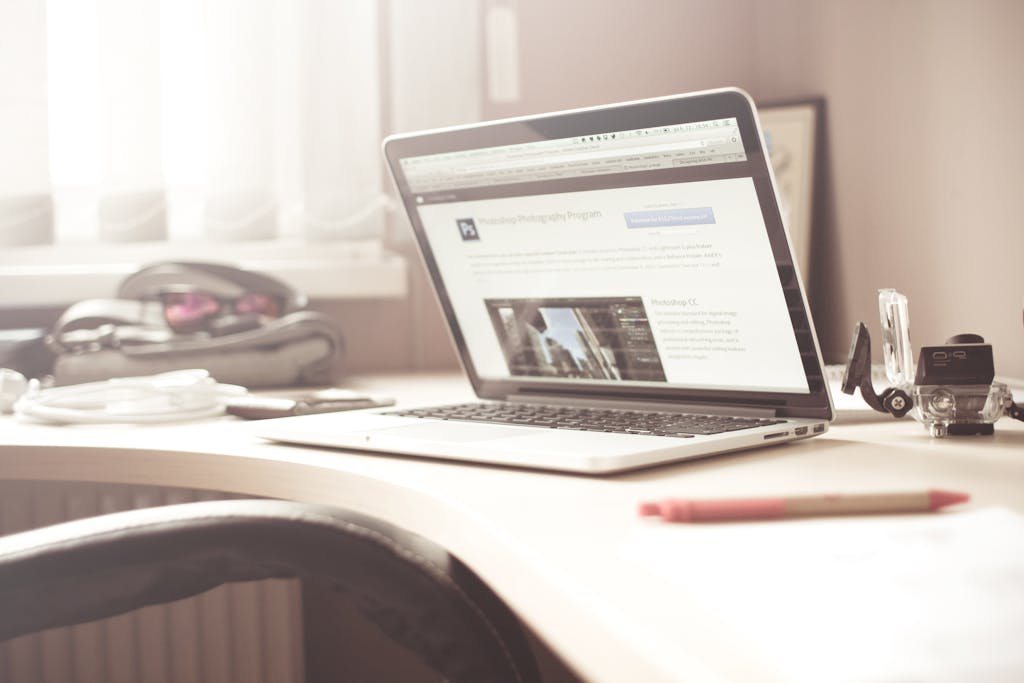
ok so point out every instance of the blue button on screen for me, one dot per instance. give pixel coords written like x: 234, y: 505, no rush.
x: 670, y: 218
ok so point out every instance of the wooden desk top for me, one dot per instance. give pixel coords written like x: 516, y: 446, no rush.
x: 567, y: 552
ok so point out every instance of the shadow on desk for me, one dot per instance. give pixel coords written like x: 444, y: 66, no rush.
x: 728, y: 461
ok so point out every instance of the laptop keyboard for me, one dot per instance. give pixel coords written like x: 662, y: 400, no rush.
x: 681, y: 425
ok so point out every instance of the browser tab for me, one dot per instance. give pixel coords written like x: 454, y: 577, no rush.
x: 690, y: 144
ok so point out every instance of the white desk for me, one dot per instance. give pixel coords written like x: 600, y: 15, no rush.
x: 567, y: 552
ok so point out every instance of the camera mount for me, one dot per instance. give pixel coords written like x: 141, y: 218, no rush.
x: 952, y: 391
x: 894, y: 401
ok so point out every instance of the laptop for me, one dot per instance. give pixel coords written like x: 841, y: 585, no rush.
x: 618, y: 283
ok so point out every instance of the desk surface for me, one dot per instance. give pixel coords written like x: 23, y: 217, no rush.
x: 619, y: 597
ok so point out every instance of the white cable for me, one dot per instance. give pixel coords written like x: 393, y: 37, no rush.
x: 167, y: 397
x: 12, y: 385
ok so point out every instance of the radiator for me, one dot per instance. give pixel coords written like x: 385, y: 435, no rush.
x: 241, y: 633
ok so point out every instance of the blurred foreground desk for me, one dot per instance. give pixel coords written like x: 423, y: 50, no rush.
x: 624, y: 599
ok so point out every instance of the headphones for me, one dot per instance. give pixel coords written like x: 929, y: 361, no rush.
x: 139, y: 313
x: 243, y: 327
x: 148, y: 283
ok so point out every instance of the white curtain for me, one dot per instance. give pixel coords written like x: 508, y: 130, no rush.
x: 26, y: 211
x: 189, y: 120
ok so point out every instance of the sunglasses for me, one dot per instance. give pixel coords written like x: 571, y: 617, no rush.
x: 197, y: 311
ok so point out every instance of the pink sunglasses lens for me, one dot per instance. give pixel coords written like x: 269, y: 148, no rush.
x: 188, y: 311
x: 258, y: 303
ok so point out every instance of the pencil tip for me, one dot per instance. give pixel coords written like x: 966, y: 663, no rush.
x: 940, y: 499
x: 649, y: 509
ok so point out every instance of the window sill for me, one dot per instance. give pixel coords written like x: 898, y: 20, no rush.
x: 52, y: 276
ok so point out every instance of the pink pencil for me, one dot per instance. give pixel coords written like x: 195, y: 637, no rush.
x: 681, y: 510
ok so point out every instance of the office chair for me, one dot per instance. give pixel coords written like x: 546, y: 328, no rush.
x: 416, y: 592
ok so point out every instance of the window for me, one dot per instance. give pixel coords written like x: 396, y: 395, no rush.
x: 246, y: 131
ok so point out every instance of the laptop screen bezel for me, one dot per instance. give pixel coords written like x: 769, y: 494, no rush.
x: 718, y: 104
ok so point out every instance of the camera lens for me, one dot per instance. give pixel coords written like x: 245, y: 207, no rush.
x: 942, y: 402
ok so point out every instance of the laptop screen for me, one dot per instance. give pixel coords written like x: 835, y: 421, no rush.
x: 569, y: 251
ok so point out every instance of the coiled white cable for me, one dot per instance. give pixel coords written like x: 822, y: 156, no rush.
x: 167, y: 397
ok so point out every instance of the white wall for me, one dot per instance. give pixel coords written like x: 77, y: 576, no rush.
x: 925, y: 142
x: 580, y: 52
x: 925, y: 176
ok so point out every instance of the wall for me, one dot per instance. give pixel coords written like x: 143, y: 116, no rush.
x: 923, y: 140
x: 573, y: 53
x: 924, y: 145
x: 923, y: 148
x: 576, y: 52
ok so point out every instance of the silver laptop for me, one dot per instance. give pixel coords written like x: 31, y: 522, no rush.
x: 618, y: 283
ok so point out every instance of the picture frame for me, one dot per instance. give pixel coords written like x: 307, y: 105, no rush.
x: 791, y: 132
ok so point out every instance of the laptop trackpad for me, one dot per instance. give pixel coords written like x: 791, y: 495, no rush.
x: 465, y: 431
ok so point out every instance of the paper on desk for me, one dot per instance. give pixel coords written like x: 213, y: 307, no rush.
x: 918, y: 598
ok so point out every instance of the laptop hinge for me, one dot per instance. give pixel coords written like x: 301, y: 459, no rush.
x: 626, y: 404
